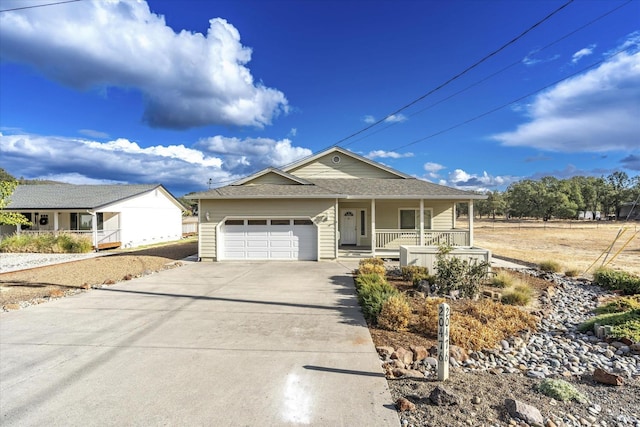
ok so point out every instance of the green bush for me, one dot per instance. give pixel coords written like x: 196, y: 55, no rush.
x: 426, y: 277
x: 410, y: 271
x: 367, y: 269
x: 550, y: 266
x: 372, y: 295
x: 572, y: 272
x: 46, y: 243
x: 456, y: 274
x: 617, y: 280
x: 560, y: 390
x: 623, y: 325
x: 620, y: 305
x: 367, y: 279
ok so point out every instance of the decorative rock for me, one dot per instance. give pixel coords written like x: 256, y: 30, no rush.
x: 404, y: 404
x: 419, y: 352
x: 550, y: 423
x: 458, y: 353
x: 527, y: 413
x: 431, y: 361
x: 385, y: 351
x: 404, y: 355
x: 476, y: 400
x: 406, y: 373
x: 441, y: 396
x: 604, y: 377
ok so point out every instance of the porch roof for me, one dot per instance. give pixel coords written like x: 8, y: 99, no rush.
x: 68, y: 196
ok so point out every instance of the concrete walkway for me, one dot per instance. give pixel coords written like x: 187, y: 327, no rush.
x: 233, y: 344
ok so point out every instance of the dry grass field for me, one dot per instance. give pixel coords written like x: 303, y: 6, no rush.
x: 574, y: 244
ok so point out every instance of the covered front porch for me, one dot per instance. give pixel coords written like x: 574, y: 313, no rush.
x: 101, y: 227
x: 378, y: 227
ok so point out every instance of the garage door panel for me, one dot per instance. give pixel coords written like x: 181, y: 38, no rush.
x: 263, y: 242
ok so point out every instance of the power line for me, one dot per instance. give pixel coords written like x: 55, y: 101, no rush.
x: 460, y: 74
x: 478, y: 82
x: 39, y: 5
x: 493, y: 110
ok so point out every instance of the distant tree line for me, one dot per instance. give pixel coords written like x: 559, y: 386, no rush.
x: 551, y: 197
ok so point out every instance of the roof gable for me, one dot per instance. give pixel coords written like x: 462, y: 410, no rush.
x: 337, y: 162
x: 272, y: 176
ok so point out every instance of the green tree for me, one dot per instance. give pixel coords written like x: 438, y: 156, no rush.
x: 9, y: 218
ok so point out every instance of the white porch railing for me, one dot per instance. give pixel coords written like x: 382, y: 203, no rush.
x: 393, y: 239
x: 104, y: 236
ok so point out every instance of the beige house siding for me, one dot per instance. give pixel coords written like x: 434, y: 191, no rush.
x: 271, y: 178
x: 348, y: 167
x: 321, y: 211
x: 442, y: 214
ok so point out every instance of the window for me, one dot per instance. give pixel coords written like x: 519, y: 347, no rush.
x: 302, y: 222
x: 280, y: 222
x: 410, y: 219
x: 83, y: 221
x: 363, y: 223
x: 257, y: 222
x: 234, y: 222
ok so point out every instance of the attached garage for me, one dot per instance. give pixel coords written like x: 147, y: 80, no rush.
x: 271, y: 238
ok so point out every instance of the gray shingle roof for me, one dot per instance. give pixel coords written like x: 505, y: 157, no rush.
x: 67, y: 196
x: 341, y: 188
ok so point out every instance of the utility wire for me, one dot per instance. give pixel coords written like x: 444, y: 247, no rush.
x: 39, y: 5
x: 513, y: 64
x: 493, y: 110
x: 460, y: 74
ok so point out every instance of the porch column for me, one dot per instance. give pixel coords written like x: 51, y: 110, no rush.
x: 421, y: 222
x: 94, y: 229
x: 471, y: 222
x: 55, y: 221
x: 373, y: 227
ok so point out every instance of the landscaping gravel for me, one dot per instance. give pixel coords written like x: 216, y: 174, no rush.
x: 22, y: 261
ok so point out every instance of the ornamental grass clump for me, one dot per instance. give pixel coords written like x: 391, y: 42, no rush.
x: 503, y: 279
x: 521, y: 295
x: 395, y: 314
x: 46, y: 243
x: 550, y: 266
x: 560, y: 390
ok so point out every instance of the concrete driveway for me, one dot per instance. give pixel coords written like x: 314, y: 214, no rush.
x: 220, y: 344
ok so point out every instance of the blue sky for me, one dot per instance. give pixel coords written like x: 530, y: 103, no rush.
x: 181, y: 93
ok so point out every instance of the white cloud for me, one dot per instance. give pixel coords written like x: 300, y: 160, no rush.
x: 474, y: 182
x: 433, y: 169
x: 596, y: 111
x: 530, y: 59
x: 187, y: 79
x: 369, y: 119
x: 252, y: 154
x: 582, y: 53
x: 179, y: 168
x: 387, y: 154
x: 396, y: 118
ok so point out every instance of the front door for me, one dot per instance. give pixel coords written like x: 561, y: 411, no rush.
x: 348, y: 227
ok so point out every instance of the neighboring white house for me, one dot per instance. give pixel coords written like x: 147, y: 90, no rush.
x: 332, y: 204
x: 113, y: 215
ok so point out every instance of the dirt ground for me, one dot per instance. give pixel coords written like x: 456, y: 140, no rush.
x: 39, y: 284
x: 575, y: 244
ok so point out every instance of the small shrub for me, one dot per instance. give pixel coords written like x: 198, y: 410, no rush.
x: 372, y: 296
x: 560, y: 390
x: 367, y: 279
x: 623, y: 325
x: 503, y: 280
x: 550, y: 266
x: 395, y: 314
x: 423, y: 277
x: 521, y: 295
x: 374, y: 261
x: 620, y: 305
x: 456, y: 274
x: 368, y: 268
x: 410, y: 271
x: 572, y: 272
x: 617, y: 280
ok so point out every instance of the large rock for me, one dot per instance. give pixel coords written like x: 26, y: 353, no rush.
x: 419, y: 353
x: 406, y: 373
x: 442, y: 396
x: 458, y: 353
x: 604, y: 377
x: 404, y: 355
x: 404, y: 404
x: 527, y: 413
x: 384, y: 351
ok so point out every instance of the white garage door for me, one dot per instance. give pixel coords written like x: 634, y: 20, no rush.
x: 259, y: 239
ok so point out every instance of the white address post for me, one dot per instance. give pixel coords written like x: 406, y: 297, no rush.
x: 444, y: 315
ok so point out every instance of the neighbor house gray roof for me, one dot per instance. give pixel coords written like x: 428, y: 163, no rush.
x: 68, y: 196
x: 342, y: 188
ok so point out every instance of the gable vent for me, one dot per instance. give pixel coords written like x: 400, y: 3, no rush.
x: 335, y: 159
